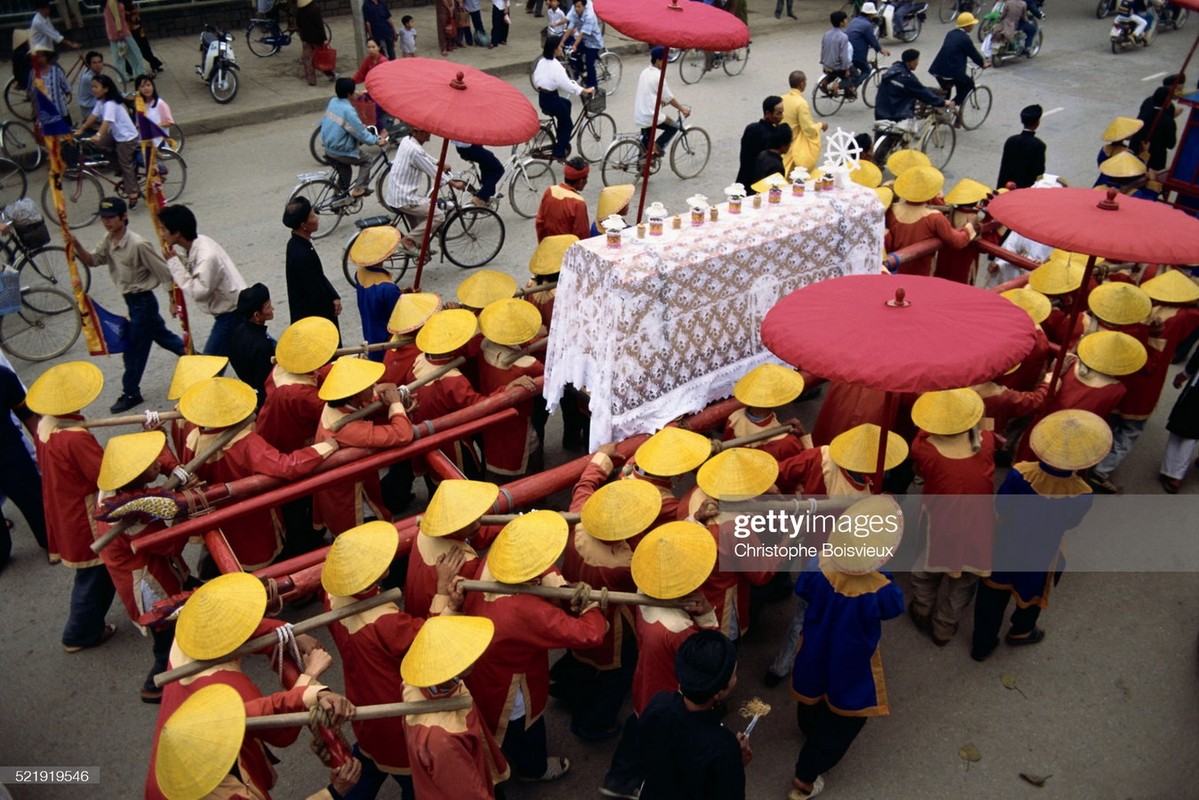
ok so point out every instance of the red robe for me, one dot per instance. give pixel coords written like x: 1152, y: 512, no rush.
x: 562, y: 210
x: 847, y: 406
x: 1073, y: 393
x: 398, y: 363
x: 508, y: 445
x: 660, y: 631
x: 69, y: 459
x: 1001, y: 406
x: 781, y: 447
x: 1145, y: 387
x: 420, y: 584
x: 1032, y: 368
x: 670, y: 503
x: 451, y: 392
x: 292, y: 411
x: 544, y: 300
x: 958, y: 515
x: 453, y: 755
x: 813, y: 473
x: 142, y: 577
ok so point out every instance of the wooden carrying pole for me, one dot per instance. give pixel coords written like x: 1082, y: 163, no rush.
x: 362, y: 713
x: 564, y: 593
x: 254, y: 645
x: 535, y: 289
x: 130, y: 419
x: 503, y: 519
x: 752, y: 438
x: 366, y: 411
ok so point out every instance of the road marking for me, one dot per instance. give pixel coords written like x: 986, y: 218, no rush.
x: 1052, y: 111
x: 1154, y: 76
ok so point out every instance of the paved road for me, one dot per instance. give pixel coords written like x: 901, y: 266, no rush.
x: 1107, y: 706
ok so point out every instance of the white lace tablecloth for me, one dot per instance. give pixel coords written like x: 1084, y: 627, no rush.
x: 665, y: 325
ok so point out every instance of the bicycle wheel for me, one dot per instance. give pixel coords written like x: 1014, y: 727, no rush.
x: 825, y: 102
x: 735, y: 61
x: 13, y: 183
x: 869, y: 88
x: 912, y: 31
x: 257, y: 35
x: 938, y: 143
x: 623, y: 162
x: 985, y: 28
x: 530, y: 178
x: 17, y: 100
x: 396, y: 266
x: 35, y: 335
x: 172, y: 172
x: 542, y: 143
x: 472, y: 236
x: 46, y: 267
x: 1180, y: 18
x: 1104, y: 8
x: 175, y: 138
x: 691, y: 66
x: 594, y: 136
x: 119, y: 78
x: 976, y: 107
x: 317, y: 147
x: 608, y: 72
x: 81, y: 195
x: 690, y: 152
x: 20, y: 144
x: 948, y: 10
x: 321, y: 194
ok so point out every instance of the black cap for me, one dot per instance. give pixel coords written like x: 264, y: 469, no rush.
x: 251, y: 299
x: 113, y: 207
x: 1031, y: 114
x: 704, y: 664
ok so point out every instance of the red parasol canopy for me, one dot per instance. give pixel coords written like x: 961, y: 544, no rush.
x: 675, y: 24
x: 849, y: 329
x: 452, y: 100
x: 1083, y: 221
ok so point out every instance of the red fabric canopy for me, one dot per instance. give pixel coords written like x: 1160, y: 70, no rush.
x: 948, y: 336
x: 452, y: 100
x: 1072, y: 219
x: 675, y: 23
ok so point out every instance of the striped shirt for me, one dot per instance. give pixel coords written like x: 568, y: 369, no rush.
x: 404, y: 186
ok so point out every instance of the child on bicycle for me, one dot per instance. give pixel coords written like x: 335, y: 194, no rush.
x: 555, y: 19
x: 157, y: 110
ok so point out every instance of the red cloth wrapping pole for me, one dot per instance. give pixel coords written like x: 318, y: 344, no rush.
x: 221, y: 552
x: 446, y: 469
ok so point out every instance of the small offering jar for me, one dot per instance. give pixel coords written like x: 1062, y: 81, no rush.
x: 699, y: 209
x: 774, y: 195
x: 613, y: 226
x: 826, y: 183
x: 736, y: 195
x: 798, y: 176
x: 757, y: 202
x: 656, y: 214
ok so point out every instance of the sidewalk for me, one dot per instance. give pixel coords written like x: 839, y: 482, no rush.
x: 273, y: 88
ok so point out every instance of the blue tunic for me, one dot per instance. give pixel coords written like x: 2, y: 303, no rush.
x: 375, y: 304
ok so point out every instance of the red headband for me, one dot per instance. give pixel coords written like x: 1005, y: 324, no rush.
x: 574, y: 174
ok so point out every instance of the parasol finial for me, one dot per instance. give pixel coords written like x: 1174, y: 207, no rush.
x: 674, y: 5
x: 1109, y: 203
x: 899, y: 301
x: 458, y: 82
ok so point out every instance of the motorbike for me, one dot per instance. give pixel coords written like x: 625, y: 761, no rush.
x: 219, y: 67
x: 1122, y: 32
x: 1000, y: 49
x: 1172, y: 17
x: 900, y: 20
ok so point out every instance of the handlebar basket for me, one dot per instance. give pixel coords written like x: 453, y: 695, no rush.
x: 10, y: 292
x: 597, y: 103
x: 32, y: 234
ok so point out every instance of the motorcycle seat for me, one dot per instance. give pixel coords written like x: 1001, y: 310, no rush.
x: 206, y: 38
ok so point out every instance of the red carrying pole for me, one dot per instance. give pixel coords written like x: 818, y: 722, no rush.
x: 222, y: 554
x: 441, y: 464
x: 424, y: 241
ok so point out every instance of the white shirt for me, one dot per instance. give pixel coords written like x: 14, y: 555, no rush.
x: 119, y: 123
x: 647, y: 90
x: 550, y: 75
x: 42, y: 33
x: 209, y: 277
x: 502, y: 5
x: 404, y: 187
x: 555, y: 21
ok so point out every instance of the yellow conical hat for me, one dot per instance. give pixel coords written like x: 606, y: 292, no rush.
x: 220, y: 616
x: 947, y: 412
x: 1121, y: 128
x: 374, y: 245
x: 444, y: 648
x: 769, y: 386
x: 527, y: 546
x: 672, y: 451
x: 1171, y: 286
x: 674, y: 560
x: 349, y: 376
x: 866, y: 174
x: 1119, y: 303
x: 738, y: 473
x: 218, y: 403
x: 65, y: 388
x: 856, y: 450
x: 510, y: 321
x: 412, y: 310
x: 199, y: 743
x: 886, y: 196
x: 902, y: 160
x: 1035, y: 304
x: 865, y: 546
x: 190, y: 370
x: 359, y: 557
x: 457, y: 504
x: 1123, y: 165
x: 547, y: 258
x: 1056, y: 277
x: 919, y: 184
x: 307, y: 345
x: 127, y: 456
x: 612, y: 199
x: 485, y: 287
x: 621, y: 509
x: 1112, y: 353
x: 446, y: 331
x: 967, y: 192
x: 1072, y: 439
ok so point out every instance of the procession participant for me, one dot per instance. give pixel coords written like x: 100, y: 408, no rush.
x: 960, y: 265
x: 372, y: 645
x: 955, y: 458
x: 220, y: 403
x: 1058, y: 278
x: 69, y: 458
x: 1117, y: 140
x: 377, y: 293
x: 189, y: 370
x: 763, y: 390
x: 563, y: 209
x: 1008, y: 410
x: 309, y: 292
x: 912, y: 220
x: 292, y: 411
x: 353, y: 384
x: 511, y: 448
x: 483, y: 288
x: 671, y: 562
x: 251, y: 347
x: 838, y: 674
x: 219, y: 617
x: 1181, y: 425
x: 453, y: 755
x: 510, y: 681
x: 670, y: 453
x: 544, y: 266
x: 613, y: 199
x: 901, y: 161
x: 411, y: 311
x: 1028, y: 373
x: 19, y: 476
x: 449, y: 525
x: 1119, y: 306
x: 1028, y: 534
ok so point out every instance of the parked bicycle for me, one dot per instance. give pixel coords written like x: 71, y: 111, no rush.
x: 40, y: 264
x: 38, y: 321
x: 694, y: 64
x: 933, y: 135
x: 83, y: 186
x: 20, y: 144
x: 608, y: 69
x: 594, y: 131
x: 13, y: 183
x: 832, y: 91
x: 690, y: 149
x: 17, y: 98
x: 265, y: 36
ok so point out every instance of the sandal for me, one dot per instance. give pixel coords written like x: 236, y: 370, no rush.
x: 1019, y: 641
x: 799, y: 794
x: 555, y: 768
x: 105, y: 635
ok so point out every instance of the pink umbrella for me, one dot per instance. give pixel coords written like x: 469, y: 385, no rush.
x: 455, y: 102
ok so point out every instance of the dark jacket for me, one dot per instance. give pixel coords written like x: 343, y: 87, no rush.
x: 1165, y: 135
x: 766, y: 164
x: 951, y: 58
x: 687, y: 755
x: 862, y: 39
x: 898, y: 93
x: 310, y: 24
x: 250, y: 351
x: 1023, y: 160
x: 309, y: 293
x: 753, y: 141
x: 1184, y: 417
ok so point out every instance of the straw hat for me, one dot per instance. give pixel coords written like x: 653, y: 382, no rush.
x: 612, y: 199
x: 902, y: 160
x: 456, y: 504
x: 1056, y: 277
x: 547, y: 258
x: 886, y: 196
x: 1035, y: 304
x: 65, y: 388
x: 865, y: 173
x: 359, y: 557
x: 220, y: 616
x: 1171, y: 287
x: 919, y: 184
x: 444, y: 648
x: 967, y: 192
x: 527, y: 546
x: 1121, y: 128
x: 856, y: 450
x: 446, y: 331
x: 349, y: 376
x: 966, y: 19
x: 1112, y: 353
x: 740, y: 472
x: 218, y: 403
x: 769, y: 386
x: 621, y: 509
x: 672, y: 451
x: 948, y: 412
x: 307, y: 345
x: 485, y: 287
x: 374, y: 245
x: 412, y: 310
x: 674, y: 560
x: 127, y: 456
x: 200, y: 742
x: 1119, y: 303
x: 865, y: 546
x: 190, y: 370
x: 510, y: 322
x: 1072, y: 439
x: 1122, y: 165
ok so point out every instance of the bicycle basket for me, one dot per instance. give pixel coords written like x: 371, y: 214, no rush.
x: 10, y: 292
x: 597, y: 103
x: 32, y: 234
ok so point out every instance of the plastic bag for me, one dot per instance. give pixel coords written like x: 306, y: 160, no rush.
x: 23, y: 211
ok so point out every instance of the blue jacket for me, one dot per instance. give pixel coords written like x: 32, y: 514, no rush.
x: 951, y: 58
x: 862, y: 38
x: 342, y: 130
x: 898, y: 93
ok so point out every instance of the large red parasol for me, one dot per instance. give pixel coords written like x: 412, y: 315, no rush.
x: 455, y: 102
x: 898, y: 334
x: 672, y: 24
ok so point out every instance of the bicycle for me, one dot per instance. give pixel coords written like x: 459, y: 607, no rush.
x: 20, y: 144
x: 594, y: 130
x: 37, y: 322
x: 327, y: 198
x: 976, y: 105
x: 17, y: 98
x: 608, y: 69
x: 13, y: 183
x: 40, y: 264
x: 949, y: 9
x: 830, y: 93
x: 689, y: 152
x: 694, y: 64
x: 265, y: 36
x: 934, y: 135
x: 83, y: 186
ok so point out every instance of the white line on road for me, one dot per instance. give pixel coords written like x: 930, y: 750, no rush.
x: 1154, y: 76
x: 1053, y: 111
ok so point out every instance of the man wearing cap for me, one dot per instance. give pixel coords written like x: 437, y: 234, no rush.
x: 206, y: 273
x: 563, y: 209
x: 754, y: 138
x: 251, y: 348
x: 805, y: 133
x: 137, y: 269
x: 949, y: 66
x: 544, y: 266
x: 764, y: 390
x: 900, y: 90
x: 862, y: 39
x: 510, y: 448
x: 670, y: 453
x: 309, y: 292
x: 376, y: 292
x: 1023, y: 158
x: 19, y: 477
x: 613, y: 200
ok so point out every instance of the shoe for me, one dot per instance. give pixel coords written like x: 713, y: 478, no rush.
x: 1102, y: 484
x: 792, y: 16
x: 778, y: 15
x: 360, y: 191
x: 126, y: 402
x: 107, y: 634
x: 1171, y: 485
x: 938, y: 641
x: 627, y: 792
x: 340, y: 201
x: 153, y: 696
x: 771, y: 680
x: 982, y: 655
x: 800, y: 794
x: 921, y: 621
x: 555, y: 768
x: 1020, y: 641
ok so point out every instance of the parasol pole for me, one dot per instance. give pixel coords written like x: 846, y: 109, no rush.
x: 428, y: 234
x: 884, y: 433
x: 653, y: 135
x: 1076, y: 305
